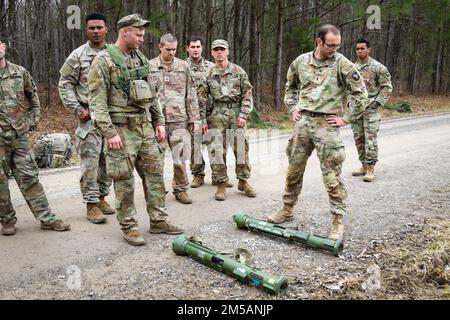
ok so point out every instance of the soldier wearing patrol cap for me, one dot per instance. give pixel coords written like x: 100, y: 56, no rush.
x: 316, y: 83
x: 379, y: 88
x: 230, y: 91
x: 126, y: 110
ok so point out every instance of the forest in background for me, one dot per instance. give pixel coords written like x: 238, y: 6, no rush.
x: 265, y: 36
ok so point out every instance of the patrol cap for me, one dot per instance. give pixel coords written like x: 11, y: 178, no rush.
x: 219, y: 43
x: 133, y: 20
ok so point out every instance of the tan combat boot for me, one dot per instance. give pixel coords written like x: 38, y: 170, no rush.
x: 105, y: 207
x: 220, y: 193
x: 285, y: 214
x: 228, y: 184
x: 9, y: 229
x: 133, y: 237
x: 370, y: 173
x: 164, y: 227
x: 247, y: 188
x: 94, y: 214
x: 360, y: 172
x: 337, y: 228
x: 57, y: 225
x: 183, y: 197
x: 197, y: 181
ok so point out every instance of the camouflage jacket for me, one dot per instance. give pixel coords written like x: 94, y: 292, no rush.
x: 230, y: 86
x: 73, y: 84
x: 106, y: 96
x: 176, y: 91
x: 320, y: 86
x: 19, y: 102
x: 198, y: 71
x: 377, y: 79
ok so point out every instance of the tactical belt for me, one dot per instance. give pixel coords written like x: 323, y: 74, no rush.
x: 130, y: 119
x: 314, y: 114
x: 228, y: 104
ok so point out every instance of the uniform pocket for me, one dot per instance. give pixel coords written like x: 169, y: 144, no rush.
x: 118, y: 166
x: 81, y: 133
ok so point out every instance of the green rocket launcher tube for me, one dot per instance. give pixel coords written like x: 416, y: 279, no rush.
x: 243, y: 221
x: 184, y: 247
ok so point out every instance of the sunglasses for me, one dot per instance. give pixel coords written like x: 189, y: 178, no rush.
x: 332, y: 46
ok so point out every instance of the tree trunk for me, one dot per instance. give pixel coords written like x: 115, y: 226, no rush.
x: 236, y: 30
x: 279, y: 59
x: 253, y: 62
x: 209, y: 26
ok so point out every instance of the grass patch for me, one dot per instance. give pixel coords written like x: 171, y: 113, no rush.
x: 417, y: 267
x: 402, y: 107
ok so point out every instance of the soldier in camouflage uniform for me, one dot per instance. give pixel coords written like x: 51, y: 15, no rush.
x: 19, y: 114
x: 379, y: 87
x: 316, y: 83
x: 73, y: 90
x: 179, y: 102
x: 198, y: 66
x: 126, y: 110
x: 227, y: 85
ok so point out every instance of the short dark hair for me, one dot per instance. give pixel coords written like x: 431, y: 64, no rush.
x: 95, y: 16
x: 194, y: 39
x: 363, y: 40
x: 324, y: 30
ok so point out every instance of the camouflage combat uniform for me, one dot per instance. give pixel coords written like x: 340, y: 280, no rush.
x: 198, y: 72
x: 73, y: 90
x: 315, y: 88
x: 378, y: 83
x: 231, y: 94
x: 19, y: 113
x: 179, y: 103
x: 115, y: 114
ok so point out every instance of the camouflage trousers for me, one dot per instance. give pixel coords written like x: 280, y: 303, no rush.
x: 222, y: 132
x: 179, y: 141
x: 314, y: 133
x: 16, y: 153
x: 365, y: 131
x: 140, y: 151
x: 197, y: 162
x: 94, y: 181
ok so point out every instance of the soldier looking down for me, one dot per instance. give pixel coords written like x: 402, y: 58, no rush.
x: 125, y: 108
x: 317, y: 82
x: 178, y: 100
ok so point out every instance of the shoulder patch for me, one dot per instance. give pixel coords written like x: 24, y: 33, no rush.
x: 355, y: 76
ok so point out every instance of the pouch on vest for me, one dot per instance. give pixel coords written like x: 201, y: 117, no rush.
x: 140, y: 92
